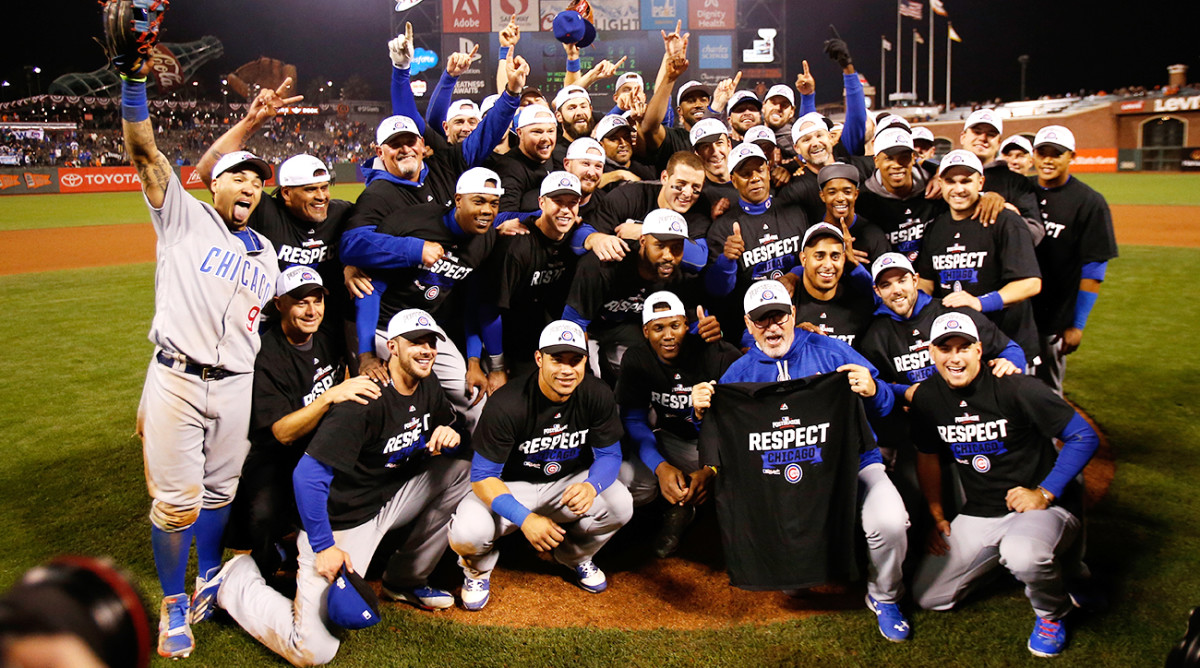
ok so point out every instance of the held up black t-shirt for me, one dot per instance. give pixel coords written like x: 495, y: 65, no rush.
x: 538, y: 440
x: 375, y: 448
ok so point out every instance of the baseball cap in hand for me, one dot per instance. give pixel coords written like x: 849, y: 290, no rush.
x: 413, y: 323
x: 661, y: 304
x: 297, y: 282
x: 479, y: 181
x: 764, y: 297
x: 303, y: 170
x: 351, y: 604
x: 395, y: 125
x: 665, y: 224
x: 1055, y: 135
x: 239, y: 159
x: 960, y: 158
x: 952, y: 324
x: 890, y: 261
x: 560, y: 183
x: 562, y: 336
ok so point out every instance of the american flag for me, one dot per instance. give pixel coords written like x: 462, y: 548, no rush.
x: 912, y: 9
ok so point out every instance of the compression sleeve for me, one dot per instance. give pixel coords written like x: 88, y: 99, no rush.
x: 439, y: 103
x: 366, y: 248
x: 366, y: 316
x: 603, y: 472
x: 483, y: 468
x: 808, y: 104
x: 403, y: 102
x: 1079, y: 444
x: 507, y: 506
x: 637, y: 425
x: 569, y: 313
x: 491, y: 329
x: 1095, y: 271
x: 721, y: 276
x: 1013, y: 353
x: 854, y: 129
x: 579, y: 236
x: 1084, y: 302
x: 695, y: 254
x: 311, y: 481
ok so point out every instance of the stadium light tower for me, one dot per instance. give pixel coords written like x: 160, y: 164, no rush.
x: 1024, y: 60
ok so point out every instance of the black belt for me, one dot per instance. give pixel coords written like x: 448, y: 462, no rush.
x: 187, y: 366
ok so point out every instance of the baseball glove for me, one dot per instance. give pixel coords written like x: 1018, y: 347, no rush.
x: 130, y: 33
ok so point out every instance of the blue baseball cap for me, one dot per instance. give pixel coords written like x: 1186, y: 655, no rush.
x: 570, y: 27
x: 351, y: 604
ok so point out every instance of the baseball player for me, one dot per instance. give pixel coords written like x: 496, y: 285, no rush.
x: 573, y: 110
x: 1023, y: 502
x: 297, y: 378
x: 523, y: 169
x: 923, y: 143
x: 744, y: 112
x: 1074, y: 255
x: 981, y: 136
x: 839, y: 184
x: 784, y: 352
x: 547, y: 453
x: 1018, y: 153
x: 658, y: 377
x: 660, y: 139
x: 212, y: 280
x: 371, y: 467
x: 832, y: 292
x: 615, y: 134
x: 453, y: 120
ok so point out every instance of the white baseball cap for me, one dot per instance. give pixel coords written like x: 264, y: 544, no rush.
x: 893, y: 140
x: 960, y: 158
x: 892, y: 121
x: 760, y: 133
x: 239, y: 158
x: 782, y: 90
x: 691, y: 86
x: 808, y: 124
x: 562, y: 336
x: 743, y: 152
x: 535, y: 113
x: 922, y: 133
x: 558, y: 183
x: 659, y: 299
x: 413, y: 323
x: 1017, y: 141
x: 464, y: 107
x: 744, y: 96
x: 488, y: 103
x: 395, y: 125
x: 627, y: 78
x: 984, y: 117
x: 303, y: 170
x: 298, y: 281
x: 1055, y: 135
x: 665, y: 224
x: 585, y: 148
x: 609, y: 124
x: 951, y: 324
x: 821, y: 230
x: 475, y: 181
x: 571, y: 93
x: 764, y: 297
x: 890, y: 261
x: 708, y: 129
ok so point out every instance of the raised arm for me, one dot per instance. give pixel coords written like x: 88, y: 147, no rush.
x: 153, y: 168
x: 400, y: 49
x: 264, y: 107
x: 674, y: 64
x: 509, y: 37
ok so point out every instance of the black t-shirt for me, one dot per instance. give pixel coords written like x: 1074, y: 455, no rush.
x: 641, y: 170
x: 803, y: 189
x: 1014, y: 188
x: 787, y: 489
x: 711, y: 193
x: 902, y: 220
x: 376, y: 448
x: 527, y: 277
x: 647, y: 381
x: 675, y: 140
x: 1078, y: 231
x: 381, y: 197
x: 611, y: 293
x: 869, y: 238
x: 1000, y: 432
x: 286, y: 379
x: 632, y: 201
x: 963, y: 255
x: 538, y: 440
x: 844, y: 317
x: 429, y: 288
x: 772, y: 241
x: 521, y: 177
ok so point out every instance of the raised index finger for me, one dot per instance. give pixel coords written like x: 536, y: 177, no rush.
x: 474, y: 53
x: 805, y: 64
x: 736, y: 79
x: 620, y: 62
x: 283, y: 87
x: 408, y: 31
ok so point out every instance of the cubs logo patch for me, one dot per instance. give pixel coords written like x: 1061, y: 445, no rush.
x: 981, y: 463
x: 423, y: 321
x: 775, y: 276
x: 433, y: 292
x: 793, y: 473
x: 552, y: 467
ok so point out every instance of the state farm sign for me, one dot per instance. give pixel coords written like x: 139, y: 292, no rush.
x: 98, y: 180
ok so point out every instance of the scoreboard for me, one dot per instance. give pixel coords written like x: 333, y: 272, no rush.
x: 726, y: 36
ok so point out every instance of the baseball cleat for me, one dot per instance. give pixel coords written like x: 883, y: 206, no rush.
x: 1048, y: 638
x: 204, y: 599
x: 675, y: 520
x: 591, y: 579
x: 892, y: 624
x: 423, y: 597
x: 476, y: 593
x: 174, y: 634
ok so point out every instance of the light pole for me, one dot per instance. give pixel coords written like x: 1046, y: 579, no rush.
x: 37, y: 73
x: 1024, y: 60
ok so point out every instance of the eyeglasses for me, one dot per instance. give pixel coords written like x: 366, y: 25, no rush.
x: 775, y: 318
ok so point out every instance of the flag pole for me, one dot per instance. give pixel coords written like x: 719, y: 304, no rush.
x: 949, y: 47
x: 899, y: 44
x: 914, y: 67
x: 931, y: 43
x: 882, y: 69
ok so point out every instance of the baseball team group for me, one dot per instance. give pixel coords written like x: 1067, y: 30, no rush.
x: 529, y: 315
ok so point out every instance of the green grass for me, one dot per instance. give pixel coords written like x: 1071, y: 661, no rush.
x: 1147, y: 188
x: 28, y: 212
x: 76, y: 354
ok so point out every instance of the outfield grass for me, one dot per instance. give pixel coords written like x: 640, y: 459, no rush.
x: 71, y: 475
x: 28, y: 212
x: 1147, y: 188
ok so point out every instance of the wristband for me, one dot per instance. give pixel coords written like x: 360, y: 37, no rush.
x: 713, y: 469
x: 1083, y: 307
x: 496, y: 362
x: 572, y: 65
x: 1046, y: 495
x: 133, y: 99
x: 507, y: 506
x: 504, y: 52
x: 991, y: 301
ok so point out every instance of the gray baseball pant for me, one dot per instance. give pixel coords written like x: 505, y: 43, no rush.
x: 641, y: 482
